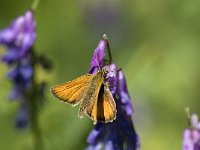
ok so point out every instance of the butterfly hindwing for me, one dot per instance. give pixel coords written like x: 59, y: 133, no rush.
x: 109, y: 105
x: 73, y: 91
x: 103, y: 109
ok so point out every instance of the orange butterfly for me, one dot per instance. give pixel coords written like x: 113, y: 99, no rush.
x: 93, y: 94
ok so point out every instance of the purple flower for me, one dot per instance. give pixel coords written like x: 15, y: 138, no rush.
x: 98, y: 56
x: 123, y: 93
x: 111, y: 77
x: 21, y: 77
x: 119, y: 134
x: 21, y: 74
x: 22, y: 117
x: 191, y: 136
x: 18, y: 38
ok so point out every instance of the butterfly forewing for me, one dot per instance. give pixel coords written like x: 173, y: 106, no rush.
x: 73, y: 91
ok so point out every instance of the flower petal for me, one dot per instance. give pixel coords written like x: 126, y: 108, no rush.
x: 98, y: 55
x: 123, y: 93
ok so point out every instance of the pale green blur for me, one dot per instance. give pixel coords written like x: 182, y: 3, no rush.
x: 156, y: 43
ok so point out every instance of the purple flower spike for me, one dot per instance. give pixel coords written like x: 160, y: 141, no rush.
x: 21, y: 75
x: 18, y: 37
x: 22, y: 116
x: 98, y: 55
x: 191, y: 136
x: 111, y: 77
x: 123, y: 93
x: 18, y: 40
x: 16, y: 93
x: 119, y: 134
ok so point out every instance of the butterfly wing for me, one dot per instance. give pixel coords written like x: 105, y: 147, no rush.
x: 109, y: 105
x: 103, y: 109
x: 73, y: 91
x: 91, y: 96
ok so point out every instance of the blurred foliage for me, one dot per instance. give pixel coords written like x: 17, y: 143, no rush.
x: 156, y: 43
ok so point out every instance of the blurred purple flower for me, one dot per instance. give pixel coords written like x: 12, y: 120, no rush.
x: 18, y: 38
x: 104, y: 17
x: 119, y: 134
x: 22, y: 117
x: 21, y: 77
x: 21, y: 74
x: 191, y: 136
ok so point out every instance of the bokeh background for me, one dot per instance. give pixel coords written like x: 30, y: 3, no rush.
x: 156, y: 43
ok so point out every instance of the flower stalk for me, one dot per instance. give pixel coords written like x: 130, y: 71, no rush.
x: 119, y: 134
x: 108, y: 49
x: 35, y: 4
x: 33, y: 105
x: 20, y: 56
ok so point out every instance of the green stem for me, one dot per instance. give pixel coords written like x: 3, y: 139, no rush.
x: 35, y: 4
x: 33, y: 105
x: 108, y: 48
x: 187, y: 110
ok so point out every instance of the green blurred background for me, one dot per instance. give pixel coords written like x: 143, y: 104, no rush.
x: 156, y: 43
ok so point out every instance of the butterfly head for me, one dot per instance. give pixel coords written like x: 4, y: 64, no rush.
x: 103, y: 72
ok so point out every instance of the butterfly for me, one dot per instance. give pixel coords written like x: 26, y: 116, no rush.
x: 92, y: 92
